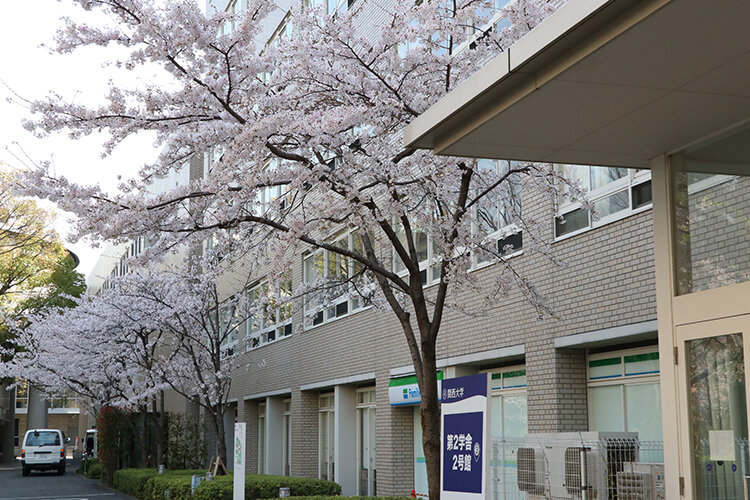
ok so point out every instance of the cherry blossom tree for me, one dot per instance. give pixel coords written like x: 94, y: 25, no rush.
x: 303, y: 138
x: 154, y: 329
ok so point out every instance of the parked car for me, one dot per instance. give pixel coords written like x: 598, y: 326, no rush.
x: 43, y: 449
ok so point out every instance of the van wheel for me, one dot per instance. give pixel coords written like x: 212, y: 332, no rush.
x: 61, y: 470
x: 25, y: 471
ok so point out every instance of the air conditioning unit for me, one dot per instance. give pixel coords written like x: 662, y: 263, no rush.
x: 531, y: 470
x: 640, y: 481
x: 560, y: 455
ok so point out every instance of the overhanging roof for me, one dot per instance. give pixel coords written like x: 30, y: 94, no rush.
x: 603, y: 82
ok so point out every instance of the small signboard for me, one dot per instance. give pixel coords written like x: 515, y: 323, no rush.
x: 405, y: 391
x: 465, y: 438
x: 239, y: 461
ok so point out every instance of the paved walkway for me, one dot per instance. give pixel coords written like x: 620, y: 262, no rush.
x: 50, y: 486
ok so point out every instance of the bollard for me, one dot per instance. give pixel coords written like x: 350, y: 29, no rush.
x: 284, y: 492
x: 196, y: 481
x: 209, y: 476
x: 162, y: 468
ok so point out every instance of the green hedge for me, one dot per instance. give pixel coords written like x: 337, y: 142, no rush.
x: 132, y: 481
x: 91, y: 468
x: 260, y: 486
x: 146, y: 484
x: 322, y: 497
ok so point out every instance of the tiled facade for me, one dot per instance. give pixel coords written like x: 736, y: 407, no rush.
x: 604, y: 280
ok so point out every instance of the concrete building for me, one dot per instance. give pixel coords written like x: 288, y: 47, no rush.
x: 336, y: 398
x: 654, y: 94
x: 659, y: 85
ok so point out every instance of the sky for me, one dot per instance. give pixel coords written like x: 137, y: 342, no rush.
x: 29, y: 70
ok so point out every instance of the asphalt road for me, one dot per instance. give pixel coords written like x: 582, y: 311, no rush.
x: 50, y: 486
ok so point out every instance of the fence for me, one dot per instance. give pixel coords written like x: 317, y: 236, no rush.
x: 612, y: 466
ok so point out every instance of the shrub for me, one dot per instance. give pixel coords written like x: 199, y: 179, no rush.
x: 178, y: 486
x: 259, y: 486
x: 321, y: 497
x: 148, y: 484
x: 95, y: 469
x: 132, y: 481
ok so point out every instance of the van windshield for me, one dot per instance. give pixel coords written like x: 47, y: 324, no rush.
x: 48, y: 438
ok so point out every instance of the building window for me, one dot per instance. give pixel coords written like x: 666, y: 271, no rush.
x: 286, y: 445
x: 508, y: 402
x: 509, y: 421
x: 333, y: 276
x: 614, y: 192
x: 229, y: 325
x: 22, y: 396
x: 366, y: 438
x: 261, y: 438
x: 624, y: 395
x: 269, y: 314
x: 235, y: 8
x: 326, y: 438
x: 499, y: 212
x: 429, y: 266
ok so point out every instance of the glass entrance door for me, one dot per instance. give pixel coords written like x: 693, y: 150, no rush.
x: 715, y: 396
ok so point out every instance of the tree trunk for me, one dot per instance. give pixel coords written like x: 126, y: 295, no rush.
x: 429, y: 410
x: 143, y: 438
x: 217, y: 415
x: 157, y: 422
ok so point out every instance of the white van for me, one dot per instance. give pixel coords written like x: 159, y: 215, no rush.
x: 43, y: 449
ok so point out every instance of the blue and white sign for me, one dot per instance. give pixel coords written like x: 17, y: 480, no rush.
x: 464, y: 437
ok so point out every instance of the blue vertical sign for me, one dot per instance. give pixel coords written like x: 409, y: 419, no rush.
x: 464, y: 437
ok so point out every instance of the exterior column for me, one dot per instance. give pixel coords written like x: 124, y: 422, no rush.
x: 229, y: 413
x: 37, y: 410
x: 274, y: 431
x: 394, y: 443
x: 556, y: 388
x: 345, y: 446
x: 664, y: 269
x: 247, y: 411
x: 7, y: 427
x: 305, y: 444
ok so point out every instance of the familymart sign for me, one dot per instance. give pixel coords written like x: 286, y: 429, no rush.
x: 405, y: 391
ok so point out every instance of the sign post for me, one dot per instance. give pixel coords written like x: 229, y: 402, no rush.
x: 464, y: 432
x: 239, y: 461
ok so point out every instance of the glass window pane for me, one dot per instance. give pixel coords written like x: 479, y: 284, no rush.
x: 514, y: 416
x: 612, y: 204
x: 605, y: 368
x: 717, y: 413
x: 606, y: 409
x: 515, y: 378
x: 639, y: 364
x: 420, y: 242
x: 571, y: 222
x: 641, y: 195
x: 711, y: 214
x: 313, y: 267
x: 575, y: 173
x: 601, y: 176
x: 643, y: 412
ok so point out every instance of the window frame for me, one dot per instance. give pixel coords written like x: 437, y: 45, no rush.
x: 354, y: 302
x: 502, y: 232
x: 632, y: 179
x: 622, y: 381
x: 281, y: 328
